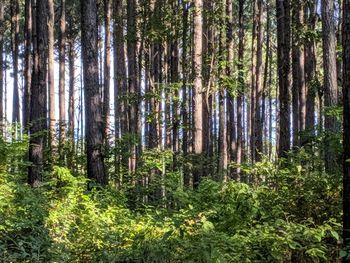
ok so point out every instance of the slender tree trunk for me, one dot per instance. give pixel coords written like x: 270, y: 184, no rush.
x: 107, y: 69
x: 120, y: 67
x: 15, y: 53
x: 2, y: 29
x: 330, y: 79
x: 258, y: 121
x: 71, y: 100
x: 229, y: 71
x: 120, y: 79
x: 346, y: 125
x: 283, y: 64
x: 132, y: 80
x: 38, y: 96
x: 296, y: 68
x: 240, y: 97
x: 223, y: 149
x: 267, y: 79
x: 197, y: 88
x: 254, y: 79
x: 51, y: 72
x: 27, y: 64
x: 93, y: 105
x: 174, y: 76
x: 310, y: 69
x: 185, y: 106
x: 62, y: 91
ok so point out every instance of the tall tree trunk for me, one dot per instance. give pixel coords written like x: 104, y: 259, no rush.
x: 120, y: 79
x: 107, y: 69
x: 2, y: 29
x: 93, y: 105
x: 310, y: 70
x: 346, y: 125
x: 283, y: 64
x: 27, y: 64
x: 229, y: 71
x: 223, y: 149
x: 267, y: 79
x: 62, y: 91
x: 38, y: 97
x: 120, y: 67
x: 258, y: 121
x: 298, y: 89
x: 15, y: 53
x: 51, y: 72
x: 185, y: 105
x: 240, y: 97
x: 132, y: 80
x: 71, y: 100
x: 330, y: 79
x: 254, y: 80
x: 197, y: 88
x: 174, y: 78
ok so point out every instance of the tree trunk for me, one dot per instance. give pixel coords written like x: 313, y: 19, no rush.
x: 107, y: 69
x: 38, y: 96
x: 132, y: 80
x: 27, y: 64
x: 15, y: 51
x: 93, y: 105
x: 197, y: 88
x: 298, y: 70
x: 240, y: 97
x: 2, y: 29
x: 185, y: 105
x: 346, y: 125
x: 71, y: 99
x: 120, y: 79
x: 310, y: 70
x: 229, y: 71
x: 267, y: 79
x: 330, y: 80
x: 254, y: 76
x: 51, y: 72
x: 62, y: 91
x: 258, y: 122
x: 283, y: 64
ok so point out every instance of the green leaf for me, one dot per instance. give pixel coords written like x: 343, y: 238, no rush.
x: 335, y: 234
x: 343, y: 253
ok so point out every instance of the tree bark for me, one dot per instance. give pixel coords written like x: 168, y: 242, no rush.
x: 27, y: 64
x: 232, y: 136
x: 93, y: 105
x: 2, y: 29
x: 258, y: 121
x: 346, y: 125
x: 330, y: 79
x: 310, y: 70
x: 197, y: 88
x: 298, y: 89
x: 283, y: 64
x: 62, y: 91
x: 71, y: 100
x: 240, y: 97
x: 120, y: 83
x: 38, y: 96
x: 107, y: 69
x: 15, y: 53
x: 185, y: 105
x: 51, y: 72
x: 132, y: 80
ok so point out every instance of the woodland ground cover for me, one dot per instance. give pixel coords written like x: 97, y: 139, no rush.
x: 292, y: 213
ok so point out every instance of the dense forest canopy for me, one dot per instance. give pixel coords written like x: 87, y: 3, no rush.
x: 175, y: 131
